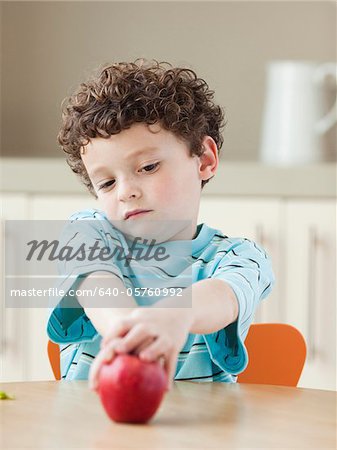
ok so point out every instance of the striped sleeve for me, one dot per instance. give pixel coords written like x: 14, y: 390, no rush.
x: 247, y: 269
x: 67, y: 321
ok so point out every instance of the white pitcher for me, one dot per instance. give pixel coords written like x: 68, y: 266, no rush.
x: 292, y: 120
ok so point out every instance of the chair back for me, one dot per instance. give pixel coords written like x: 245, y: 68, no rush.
x: 276, y: 353
x: 53, y: 351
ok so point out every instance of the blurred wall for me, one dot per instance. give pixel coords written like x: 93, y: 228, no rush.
x: 49, y: 47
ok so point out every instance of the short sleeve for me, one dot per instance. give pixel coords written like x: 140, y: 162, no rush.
x: 68, y: 322
x: 247, y: 269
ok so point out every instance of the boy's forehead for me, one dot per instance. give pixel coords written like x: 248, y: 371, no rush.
x: 150, y: 135
x: 94, y: 150
x: 132, y: 142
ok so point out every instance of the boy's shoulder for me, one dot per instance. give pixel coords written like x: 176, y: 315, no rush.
x: 221, y: 243
x: 91, y: 222
x: 220, y: 239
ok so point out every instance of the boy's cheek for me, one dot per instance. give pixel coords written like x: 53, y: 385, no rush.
x: 168, y: 192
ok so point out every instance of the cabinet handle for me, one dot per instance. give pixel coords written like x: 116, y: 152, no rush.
x: 259, y: 233
x: 311, y: 335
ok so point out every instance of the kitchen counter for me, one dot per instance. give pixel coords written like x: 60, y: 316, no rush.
x: 42, y: 175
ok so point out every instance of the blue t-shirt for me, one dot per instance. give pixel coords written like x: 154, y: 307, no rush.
x: 218, y: 356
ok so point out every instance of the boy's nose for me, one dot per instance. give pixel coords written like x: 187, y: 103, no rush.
x: 127, y: 190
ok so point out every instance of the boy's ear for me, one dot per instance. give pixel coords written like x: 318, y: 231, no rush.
x: 209, y: 160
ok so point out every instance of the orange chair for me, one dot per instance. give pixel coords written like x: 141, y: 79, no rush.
x: 53, y: 351
x: 276, y: 355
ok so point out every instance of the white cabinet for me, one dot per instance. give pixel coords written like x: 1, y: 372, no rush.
x: 14, y: 322
x: 300, y: 238
x: 257, y: 219
x: 311, y: 285
x: 58, y: 207
x: 23, y: 334
x: 48, y: 207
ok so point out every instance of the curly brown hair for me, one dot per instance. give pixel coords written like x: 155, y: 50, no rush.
x: 141, y: 91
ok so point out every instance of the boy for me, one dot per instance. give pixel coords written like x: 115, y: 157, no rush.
x: 144, y: 139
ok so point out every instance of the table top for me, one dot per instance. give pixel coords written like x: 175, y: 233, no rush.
x: 66, y: 414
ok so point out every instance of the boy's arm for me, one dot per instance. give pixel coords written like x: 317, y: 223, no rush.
x: 213, y: 305
x: 220, y: 309
x: 102, y: 318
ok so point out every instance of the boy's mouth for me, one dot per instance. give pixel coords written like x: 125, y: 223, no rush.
x: 135, y: 213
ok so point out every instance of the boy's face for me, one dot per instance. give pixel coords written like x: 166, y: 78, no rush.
x: 151, y: 171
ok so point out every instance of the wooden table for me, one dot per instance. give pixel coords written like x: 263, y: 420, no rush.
x: 67, y: 414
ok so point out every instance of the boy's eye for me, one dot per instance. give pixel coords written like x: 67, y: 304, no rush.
x: 107, y: 184
x: 150, y: 167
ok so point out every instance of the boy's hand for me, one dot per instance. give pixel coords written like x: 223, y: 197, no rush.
x: 148, y: 332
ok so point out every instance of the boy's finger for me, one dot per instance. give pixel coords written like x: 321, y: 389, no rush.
x: 118, y: 330
x: 154, y: 350
x: 134, y: 338
x: 143, y: 346
x: 103, y: 356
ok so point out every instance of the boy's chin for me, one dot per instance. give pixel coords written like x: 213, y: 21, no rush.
x: 153, y: 231
x: 149, y: 232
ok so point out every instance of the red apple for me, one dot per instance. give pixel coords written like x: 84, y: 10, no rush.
x: 130, y: 389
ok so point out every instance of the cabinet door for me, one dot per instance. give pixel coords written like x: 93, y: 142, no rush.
x: 14, y: 327
x: 258, y: 219
x: 311, y: 286
x: 59, y: 207
x: 48, y: 207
